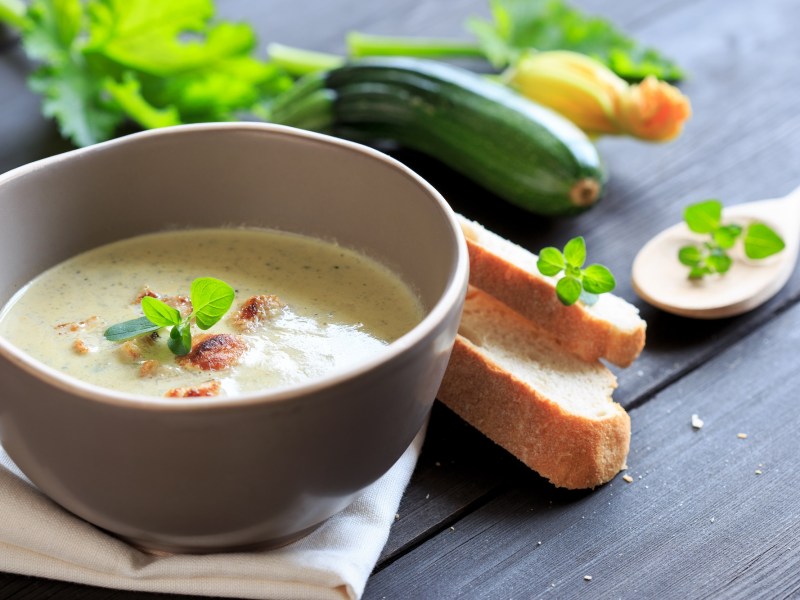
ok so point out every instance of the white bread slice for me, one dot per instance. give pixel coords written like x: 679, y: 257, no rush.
x: 547, y: 407
x: 610, y: 329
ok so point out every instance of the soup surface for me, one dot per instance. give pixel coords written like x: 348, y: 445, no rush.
x: 303, y: 308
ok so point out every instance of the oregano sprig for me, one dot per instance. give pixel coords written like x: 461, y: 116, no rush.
x: 211, y: 299
x: 578, y: 283
x: 710, y: 257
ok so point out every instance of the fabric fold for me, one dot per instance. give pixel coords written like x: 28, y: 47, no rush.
x: 39, y: 538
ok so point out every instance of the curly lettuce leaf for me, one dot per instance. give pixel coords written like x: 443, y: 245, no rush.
x: 520, y: 25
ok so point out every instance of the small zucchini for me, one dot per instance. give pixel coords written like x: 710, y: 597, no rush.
x: 520, y: 151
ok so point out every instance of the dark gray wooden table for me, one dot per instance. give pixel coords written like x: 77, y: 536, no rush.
x: 697, y: 521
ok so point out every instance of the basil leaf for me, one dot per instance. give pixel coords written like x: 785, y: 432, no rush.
x: 761, y: 241
x: 551, y: 261
x: 568, y: 290
x: 597, y: 279
x: 703, y: 217
x: 130, y: 329
x: 159, y: 313
x: 575, y: 252
x: 180, y: 339
x: 211, y: 299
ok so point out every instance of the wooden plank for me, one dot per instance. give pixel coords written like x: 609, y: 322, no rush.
x: 697, y: 521
x: 718, y: 56
x: 459, y: 469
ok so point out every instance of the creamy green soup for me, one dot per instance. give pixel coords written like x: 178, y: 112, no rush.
x: 303, y: 308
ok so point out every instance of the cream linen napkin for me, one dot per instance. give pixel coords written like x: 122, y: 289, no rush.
x: 37, y: 537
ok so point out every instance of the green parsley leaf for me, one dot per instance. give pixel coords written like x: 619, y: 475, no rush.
x: 155, y: 63
x: 575, y: 252
x: 211, y: 299
x: 703, y: 217
x: 159, y: 313
x: 521, y: 25
x: 551, y: 261
x: 53, y: 26
x: 597, y: 279
x: 73, y: 97
x: 568, y: 290
x: 130, y: 329
x: 760, y: 241
x: 128, y: 96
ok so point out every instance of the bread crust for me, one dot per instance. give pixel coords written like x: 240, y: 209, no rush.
x: 575, y: 328
x: 572, y: 451
x: 550, y: 409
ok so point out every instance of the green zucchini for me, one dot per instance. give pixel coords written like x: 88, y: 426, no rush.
x: 518, y: 150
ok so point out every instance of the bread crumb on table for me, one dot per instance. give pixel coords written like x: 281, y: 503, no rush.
x: 741, y: 436
x: 697, y: 422
x: 627, y: 478
x: 758, y: 471
x: 587, y: 577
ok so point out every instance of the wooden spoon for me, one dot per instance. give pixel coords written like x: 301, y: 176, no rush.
x: 662, y: 281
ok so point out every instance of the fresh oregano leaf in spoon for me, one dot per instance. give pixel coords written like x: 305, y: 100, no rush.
x: 760, y: 241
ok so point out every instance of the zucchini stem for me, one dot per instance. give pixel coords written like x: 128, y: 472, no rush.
x: 364, y: 44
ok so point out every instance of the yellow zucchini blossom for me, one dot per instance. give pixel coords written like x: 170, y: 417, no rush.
x: 598, y: 101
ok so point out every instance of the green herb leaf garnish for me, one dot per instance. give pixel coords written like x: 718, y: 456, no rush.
x: 159, y: 313
x: 711, y: 257
x: 760, y: 241
x: 211, y: 299
x: 577, y: 283
x: 130, y: 329
x: 703, y: 217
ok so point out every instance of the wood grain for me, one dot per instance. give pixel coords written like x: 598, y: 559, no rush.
x: 654, y: 537
x: 697, y: 520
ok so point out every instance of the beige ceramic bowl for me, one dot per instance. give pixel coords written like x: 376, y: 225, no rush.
x: 225, y: 473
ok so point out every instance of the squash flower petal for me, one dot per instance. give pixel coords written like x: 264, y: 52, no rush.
x: 598, y: 101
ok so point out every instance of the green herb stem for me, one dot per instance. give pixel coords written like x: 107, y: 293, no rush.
x: 298, y: 62
x: 363, y: 44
